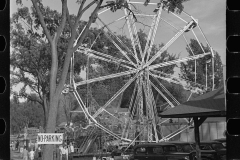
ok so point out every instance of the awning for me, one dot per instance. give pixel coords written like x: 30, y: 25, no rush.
x: 211, y: 104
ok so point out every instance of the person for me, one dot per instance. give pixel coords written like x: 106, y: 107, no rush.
x: 63, y: 151
x: 68, y: 147
x: 66, y: 152
x: 13, y: 145
x: 60, y: 150
x: 25, y: 153
x: 39, y: 153
x: 104, y: 154
x: 71, y: 148
x: 35, y: 146
x: 116, y: 152
x: 17, y: 145
x: 58, y: 153
x: 36, y: 154
x: 31, y: 154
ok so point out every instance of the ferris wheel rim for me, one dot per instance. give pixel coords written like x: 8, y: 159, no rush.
x: 137, y: 69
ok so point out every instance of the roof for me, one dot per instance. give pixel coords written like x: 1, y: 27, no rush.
x: 180, y: 142
x: 211, y: 104
x: 154, y: 144
x: 220, y: 140
x: 209, y: 142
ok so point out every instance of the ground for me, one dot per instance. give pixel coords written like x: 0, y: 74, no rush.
x: 15, y: 155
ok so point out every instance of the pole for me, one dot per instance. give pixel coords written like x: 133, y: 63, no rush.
x: 206, y: 75
x: 197, y: 139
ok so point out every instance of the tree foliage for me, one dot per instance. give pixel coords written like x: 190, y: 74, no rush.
x: 31, y: 56
x: 25, y: 114
x: 188, y: 69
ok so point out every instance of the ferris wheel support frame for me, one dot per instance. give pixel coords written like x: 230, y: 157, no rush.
x: 144, y: 86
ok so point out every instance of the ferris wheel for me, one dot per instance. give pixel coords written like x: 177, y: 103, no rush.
x: 140, y: 69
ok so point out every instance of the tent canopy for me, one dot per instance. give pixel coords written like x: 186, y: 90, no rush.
x: 211, y: 104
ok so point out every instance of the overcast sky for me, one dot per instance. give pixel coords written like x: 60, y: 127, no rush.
x: 211, y: 15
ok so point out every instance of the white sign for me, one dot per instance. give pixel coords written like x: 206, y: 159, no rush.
x: 50, y: 138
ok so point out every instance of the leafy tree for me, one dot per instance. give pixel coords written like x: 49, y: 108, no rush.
x: 188, y: 69
x: 25, y: 114
x: 56, y: 30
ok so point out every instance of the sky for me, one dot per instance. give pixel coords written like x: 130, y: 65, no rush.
x: 211, y: 16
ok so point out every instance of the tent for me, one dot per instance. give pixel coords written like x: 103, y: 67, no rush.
x: 211, y: 104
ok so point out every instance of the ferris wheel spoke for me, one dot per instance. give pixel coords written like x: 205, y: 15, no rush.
x: 136, y: 102
x: 130, y: 110
x: 132, y: 39
x: 166, y: 79
x: 106, y: 77
x: 169, y: 102
x: 150, y: 3
x: 132, y: 28
x: 105, y: 57
x: 153, y: 25
x: 175, y: 79
x: 115, y: 96
x: 198, y: 41
x: 102, y: 11
x: 148, y: 50
x: 112, y: 115
x: 134, y: 96
x: 103, y: 54
x: 184, y: 40
x: 119, y: 48
x: 118, y: 39
x: 169, y: 43
x: 173, y: 134
x: 165, y: 89
x: 168, y: 94
x: 151, y: 113
x: 153, y: 102
x: 178, y: 30
x: 111, y: 61
x: 163, y: 64
x: 107, y: 130
x: 101, y: 126
x: 140, y: 104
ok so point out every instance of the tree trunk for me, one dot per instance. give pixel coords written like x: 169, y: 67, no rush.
x: 50, y: 128
x: 45, y: 109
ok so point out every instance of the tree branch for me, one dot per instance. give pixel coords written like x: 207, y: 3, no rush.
x: 69, y: 19
x: 88, y: 6
x: 27, y: 97
x: 54, y: 64
x: 63, y: 22
x: 43, y: 24
x: 79, y: 15
x: 81, y: 10
x: 91, y: 19
x: 70, y: 50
